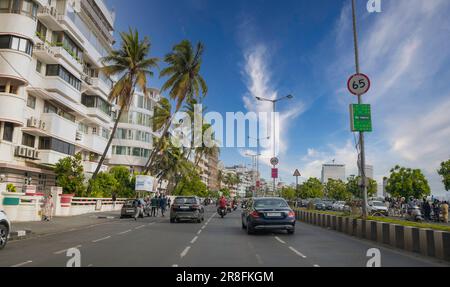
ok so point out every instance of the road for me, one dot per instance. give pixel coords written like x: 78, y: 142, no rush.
x: 154, y: 242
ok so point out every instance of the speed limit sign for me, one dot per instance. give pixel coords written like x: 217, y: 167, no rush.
x: 358, y: 84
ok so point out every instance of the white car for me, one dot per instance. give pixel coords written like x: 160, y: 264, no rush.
x: 339, y: 206
x: 377, y: 208
x: 5, y: 227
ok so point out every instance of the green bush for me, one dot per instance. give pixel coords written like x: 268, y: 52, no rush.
x: 103, y: 186
x: 11, y: 188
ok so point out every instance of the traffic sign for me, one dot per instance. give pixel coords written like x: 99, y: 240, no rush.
x: 274, y: 173
x: 297, y: 173
x: 361, y: 118
x: 358, y: 84
x: 274, y: 161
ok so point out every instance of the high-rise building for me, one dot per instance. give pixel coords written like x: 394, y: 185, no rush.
x: 53, y: 97
x: 213, y: 171
x: 133, y: 141
x: 333, y: 171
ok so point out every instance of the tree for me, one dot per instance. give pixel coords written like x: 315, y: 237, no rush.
x: 125, y: 181
x: 312, y: 188
x: 444, y: 171
x: 131, y: 63
x: 70, y: 175
x: 103, y: 185
x: 407, y: 182
x: 288, y: 193
x: 185, y: 81
x: 355, y: 190
x: 337, y: 190
x: 193, y: 186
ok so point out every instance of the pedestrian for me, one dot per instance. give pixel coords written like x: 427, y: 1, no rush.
x: 427, y: 210
x: 114, y: 199
x: 154, y: 204
x: 436, y: 211
x: 158, y: 204
x: 163, y: 205
x: 444, y: 209
x: 169, y: 202
x: 48, y: 208
x: 139, y: 208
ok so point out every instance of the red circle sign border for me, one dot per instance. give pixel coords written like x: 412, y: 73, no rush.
x: 351, y: 77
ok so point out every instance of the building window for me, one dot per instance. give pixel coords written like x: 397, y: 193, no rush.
x: 31, y: 102
x: 39, y: 66
x: 46, y: 143
x: 28, y: 140
x: 60, y: 71
x: 8, y: 132
x: 16, y: 43
x: 23, y: 7
x: 41, y: 31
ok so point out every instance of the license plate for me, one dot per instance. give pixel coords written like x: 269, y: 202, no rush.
x: 130, y: 210
x: 184, y: 207
x: 273, y: 214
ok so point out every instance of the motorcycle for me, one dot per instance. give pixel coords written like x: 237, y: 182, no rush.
x: 414, y: 214
x: 222, y: 212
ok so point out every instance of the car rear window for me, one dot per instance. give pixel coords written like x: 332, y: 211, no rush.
x: 265, y: 203
x: 185, y: 200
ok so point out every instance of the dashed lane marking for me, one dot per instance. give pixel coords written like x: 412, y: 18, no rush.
x: 185, y: 252
x: 297, y: 252
x: 279, y: 240
x: 124, y: 232
x: 23, y: 263
x: 139, y: 227
x: 101, y: 239
x: 193, y: 240
x: 65, y: 250
x: 198, y: 233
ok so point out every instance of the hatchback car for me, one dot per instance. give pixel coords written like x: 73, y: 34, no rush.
x: 187, y: 208
x: 268, y: 214
x: 5, y: 227
x: 129, y: 209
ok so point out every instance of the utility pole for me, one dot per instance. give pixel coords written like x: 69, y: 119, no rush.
x: 362, y: 156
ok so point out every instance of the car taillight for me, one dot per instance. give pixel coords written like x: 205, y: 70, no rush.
x: 196, y: 206
x: 291, y: 214
x: 254, y: 214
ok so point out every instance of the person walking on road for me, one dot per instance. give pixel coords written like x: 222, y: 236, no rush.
x: 158, y: 204
x: 154, y: 204
x: 114, y: 199
x: 444, y: 210
x: 139, y: 208
x: 163, y: 205
x: 47, y: 213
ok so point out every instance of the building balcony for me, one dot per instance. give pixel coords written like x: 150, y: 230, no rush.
x: 17, y: 24
x: 90, y: 167
x: 72, y: 60
x: 59, y: 127
x: 95, y: 143
x: 127, y: 160
x: 49, y: 17
x: 49, y: 157
x: 20, y: 69
x: 12, y: 108
x: 96, y: 112
x: 58, y: 85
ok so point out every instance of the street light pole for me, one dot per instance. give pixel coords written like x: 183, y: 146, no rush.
x: 258, y: 154
x: 362, y: 163
x: 274, y: 102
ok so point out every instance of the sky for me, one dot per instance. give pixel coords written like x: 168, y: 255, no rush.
x: 272, y: 48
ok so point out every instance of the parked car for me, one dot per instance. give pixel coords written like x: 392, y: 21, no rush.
x: 319, y: 204
x: 268, y: 214
x: 129, y: 209
x: 377, y: 208
x: 339, y: 205
x: 328, y: 204
x: 5, y: 227
x: 187, y: 208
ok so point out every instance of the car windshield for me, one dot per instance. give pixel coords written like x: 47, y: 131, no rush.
x: 185, y: 200
x: 129, y: 203
x: 270, y: 203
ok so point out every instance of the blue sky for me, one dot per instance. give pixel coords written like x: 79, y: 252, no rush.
x: 272, y: 48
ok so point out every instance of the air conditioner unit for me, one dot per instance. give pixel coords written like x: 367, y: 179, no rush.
x: 32, y: 123
x: 22, y: 152
x: 36, y: 154
x: 42, y: 125
x: 79, y: 136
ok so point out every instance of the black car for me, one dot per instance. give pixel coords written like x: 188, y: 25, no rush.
x: 268, y: 214
x: 187, y: 208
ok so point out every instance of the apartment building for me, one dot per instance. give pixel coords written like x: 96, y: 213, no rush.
x: 213, y: 171
x: 53, y: 99
x: 133, y: 141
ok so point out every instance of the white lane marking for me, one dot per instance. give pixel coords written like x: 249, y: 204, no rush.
x: 124, y: 232
x: 22, y: 264
x: 315, y: 265
x: 139, y: 227
x: 193, y: 240
x: 259, y: 259
x: 279, y: 240
x: 150, y: 224
x: 175, y: 265
x: 198, y: 233
x: 297, y: 252
x: 63, y: 251
x: 185, y: 251
x: 101, y: 239
x: 204, y: 226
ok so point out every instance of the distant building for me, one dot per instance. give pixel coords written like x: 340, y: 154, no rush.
x: 333, y: 171
x: 369, y: 171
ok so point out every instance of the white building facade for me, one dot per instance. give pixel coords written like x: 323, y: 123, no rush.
x: 53, y: 99
x: 333, y: 171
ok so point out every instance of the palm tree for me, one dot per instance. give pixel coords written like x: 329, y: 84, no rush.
x: 132, y: 64
x: 185, y: 81
x: 220, y: 178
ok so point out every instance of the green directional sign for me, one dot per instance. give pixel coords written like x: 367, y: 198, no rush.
x: 361, y: 118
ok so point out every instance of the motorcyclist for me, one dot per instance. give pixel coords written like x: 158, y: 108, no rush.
x: 222, y: 203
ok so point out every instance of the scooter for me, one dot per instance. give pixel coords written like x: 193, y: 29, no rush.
x: 222, y: 212
x: 414, y: 214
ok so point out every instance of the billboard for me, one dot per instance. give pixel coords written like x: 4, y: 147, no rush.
x: 144, y: 183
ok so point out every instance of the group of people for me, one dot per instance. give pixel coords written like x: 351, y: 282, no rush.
x: 157, y: 205
x: 432, y: 210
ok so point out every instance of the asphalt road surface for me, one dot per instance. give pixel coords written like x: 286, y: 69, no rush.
x: 154, y: 242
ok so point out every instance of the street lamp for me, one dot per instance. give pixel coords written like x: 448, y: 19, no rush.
x: 274, y: 102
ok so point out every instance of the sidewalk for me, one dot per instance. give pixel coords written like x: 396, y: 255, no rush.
x: 24, y: 230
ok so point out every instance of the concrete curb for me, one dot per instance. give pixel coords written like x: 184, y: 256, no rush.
x: 431, y: 243
x: 19, y: 235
